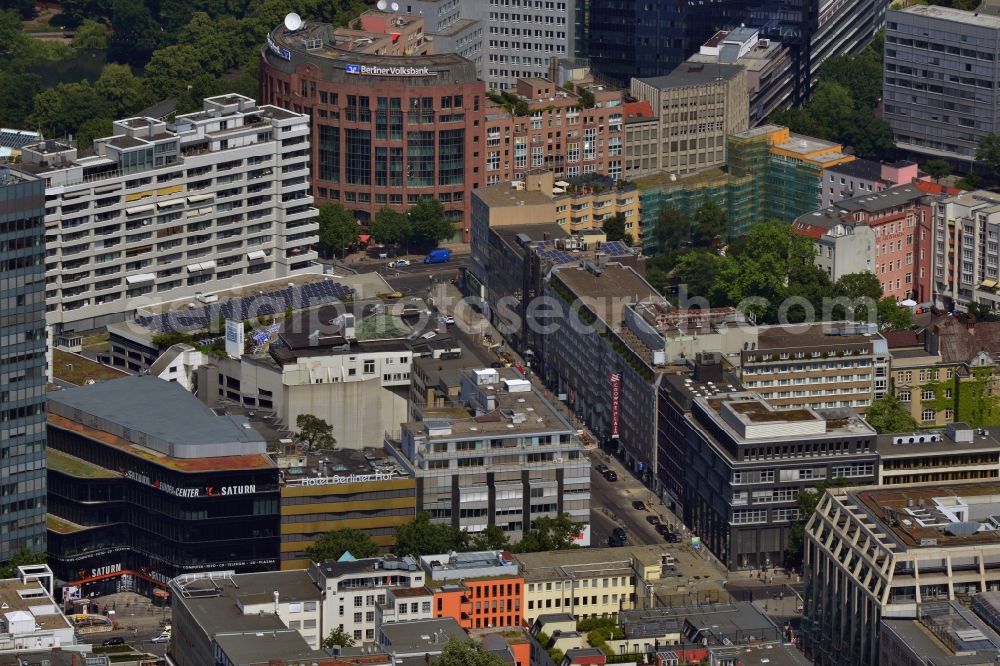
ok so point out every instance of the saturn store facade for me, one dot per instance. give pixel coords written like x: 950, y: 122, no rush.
x: 374, y: 502
x: 123, y: 517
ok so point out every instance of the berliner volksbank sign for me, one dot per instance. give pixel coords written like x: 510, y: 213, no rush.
x: 371, y: 70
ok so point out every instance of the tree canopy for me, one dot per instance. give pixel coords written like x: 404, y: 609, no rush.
x: 338, y: 229
x: 423, y: 537
x: 331, y: 545
x: 467, y: 653
x: 338, y: 638
x: 21, y: 558
x: 390, y: 227
x: 807, y: 500
x: 614, y: 228
x: 428, y: 223
x: 316, y: 433
x: 889, y: 414
x: 842, y: 107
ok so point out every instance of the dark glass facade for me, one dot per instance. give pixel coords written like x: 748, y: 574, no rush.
x: 116, y: 513
x: 644, y: 38
x: 22, y: 365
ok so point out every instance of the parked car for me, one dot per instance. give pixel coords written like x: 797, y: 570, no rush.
x: 447, y: 320
x: 398, y: 263
x: 674, y: 537
x: 117, y: 640
x: 619, y: 533
x: 663, y: 529
x: 610, y: 475
x: 615, y: 543
x: 428, y: 335
x: 602, y: 468
x: 639, y: 505
x: 438, y: 256
x: 162, y: 638
x: 653, y: 520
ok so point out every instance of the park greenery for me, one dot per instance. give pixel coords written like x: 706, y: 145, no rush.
x: 186, y: 49
x: 771, y: 263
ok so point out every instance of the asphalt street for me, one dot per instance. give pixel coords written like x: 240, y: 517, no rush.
x: 611, y: 505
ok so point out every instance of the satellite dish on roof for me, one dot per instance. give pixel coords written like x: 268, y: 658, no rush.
x: 395, y: 6
x: 382, y: 4
x: 293, y: 22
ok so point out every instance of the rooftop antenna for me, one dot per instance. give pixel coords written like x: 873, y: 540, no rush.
x: 293, y: 22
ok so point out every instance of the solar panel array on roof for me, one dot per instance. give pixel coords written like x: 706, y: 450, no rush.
x: 248, y: 307
x: 616, y: 249
x: 17, y: 138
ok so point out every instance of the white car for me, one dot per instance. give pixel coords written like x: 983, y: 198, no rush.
x: 162, y: 638
x: 447, y: 320
x: 398, y: 263
x: 428, y: 335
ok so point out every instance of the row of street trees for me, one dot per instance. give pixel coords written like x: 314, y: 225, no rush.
x: 424, y: 537
x: 423, y: 225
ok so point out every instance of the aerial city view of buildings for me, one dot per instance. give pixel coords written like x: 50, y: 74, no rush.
x: 473, y: 332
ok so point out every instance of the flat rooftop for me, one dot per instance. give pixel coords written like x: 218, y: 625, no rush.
x: 425, y: 635
x: 180, y: 426
x: 736, y: 622
x: 608, y: 293
x: 79, y: 370
x: 978, y: 19
x: 812, y: 336
x: 955, y: 515
x: 215, y: 603
x: 31, y: 597
x: 749, y: 418
x: 694, y: 74
x: 515, y: 414
x: 957, y: 438
x: 595, y: 562
x: 504, y: 195
x: 262, y: 647
x: 298, y: 469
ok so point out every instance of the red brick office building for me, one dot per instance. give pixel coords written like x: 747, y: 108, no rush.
x: 391, y: 122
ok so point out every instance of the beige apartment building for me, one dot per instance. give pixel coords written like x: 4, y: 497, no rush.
x: 695, y: 107
x: 601, y: 582
x: 577, y: 204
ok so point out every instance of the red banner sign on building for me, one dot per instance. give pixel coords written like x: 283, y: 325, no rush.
x: 616, y: 389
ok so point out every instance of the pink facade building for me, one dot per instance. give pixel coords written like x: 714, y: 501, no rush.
x: 861, y: 176
x: 899, y: 253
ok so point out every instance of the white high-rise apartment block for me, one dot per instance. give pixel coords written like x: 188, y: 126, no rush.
x: 216, y: 199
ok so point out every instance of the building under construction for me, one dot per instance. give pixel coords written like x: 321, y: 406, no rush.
x: 770, y: 174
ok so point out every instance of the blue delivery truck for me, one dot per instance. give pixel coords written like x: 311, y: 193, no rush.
x: 438, y: 256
